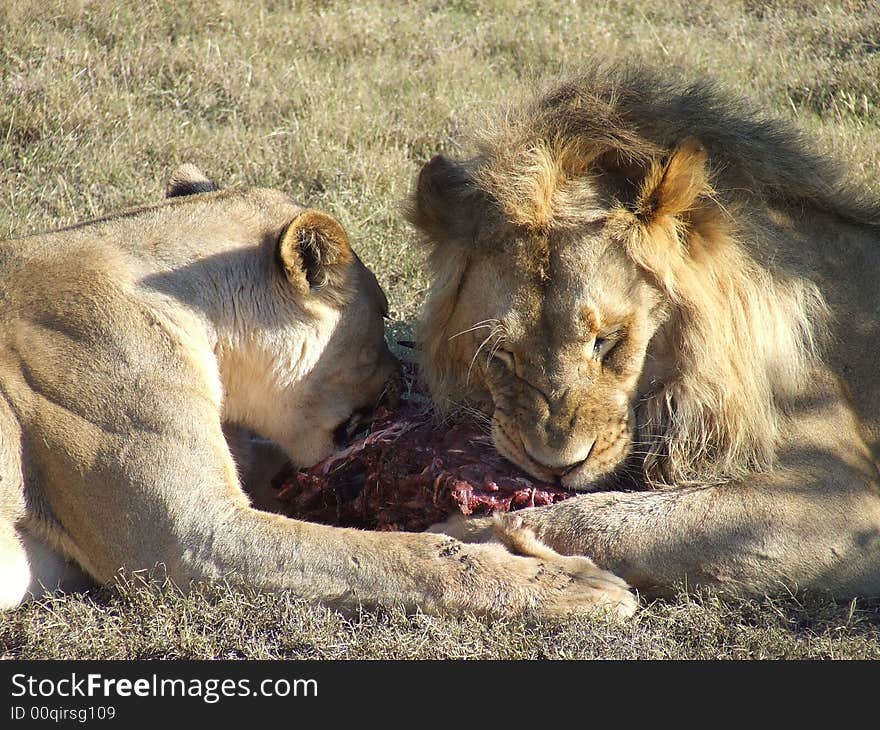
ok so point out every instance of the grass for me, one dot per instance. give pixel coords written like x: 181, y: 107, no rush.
x: 338, y: 104
x: 140, y: 622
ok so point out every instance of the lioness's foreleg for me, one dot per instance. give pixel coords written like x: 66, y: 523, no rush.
x: 15, y: 575
x: 348, y: 568
x: 29, y: 566
x: 198, y: 524
x: 257, y: 461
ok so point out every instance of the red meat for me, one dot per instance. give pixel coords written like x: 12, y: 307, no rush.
x: 409, y: 472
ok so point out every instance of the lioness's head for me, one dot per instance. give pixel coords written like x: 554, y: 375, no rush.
x: 338, y: 362
x: 588, y: 288
x: 300, y: 323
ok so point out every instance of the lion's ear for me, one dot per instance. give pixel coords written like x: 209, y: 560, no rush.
x: 188, y: 180
x: 313, y: 250
x: 673, y: 187
x: 439, y: 204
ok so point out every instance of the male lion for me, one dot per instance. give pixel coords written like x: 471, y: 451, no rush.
x: 126, y: 343
x: 664, y: 297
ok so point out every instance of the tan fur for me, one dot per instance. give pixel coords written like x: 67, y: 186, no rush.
x: 659, y: 303
x: 128, y: 344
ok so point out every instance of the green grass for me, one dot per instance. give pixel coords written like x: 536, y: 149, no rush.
x: 338, y: 104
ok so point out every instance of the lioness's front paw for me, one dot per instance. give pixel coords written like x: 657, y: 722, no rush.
x: 544, y: 580
x: 594, y: 588
x: 605, y: 589
x: 557, y: 585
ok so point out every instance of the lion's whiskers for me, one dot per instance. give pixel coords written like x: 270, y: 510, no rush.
x: 502, y: 338
x: 493, y: 333
x: 484, y: 324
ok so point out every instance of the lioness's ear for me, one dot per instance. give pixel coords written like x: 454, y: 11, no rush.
x: 672, y: 187
x: 188, y: 180
x: 313, y: 249
x: 438, y: 203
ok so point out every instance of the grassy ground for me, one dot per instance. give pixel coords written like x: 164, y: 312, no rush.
x: 338, y: 104
x: 139, y: 623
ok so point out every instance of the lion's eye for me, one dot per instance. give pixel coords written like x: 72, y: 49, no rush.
x: 505, y: 357
x: 603, y: 345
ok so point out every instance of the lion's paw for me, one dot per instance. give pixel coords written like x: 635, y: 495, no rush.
x: 537, y: 578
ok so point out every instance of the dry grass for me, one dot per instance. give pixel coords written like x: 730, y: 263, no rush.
x: 338, y: 103
x: 141, y: 623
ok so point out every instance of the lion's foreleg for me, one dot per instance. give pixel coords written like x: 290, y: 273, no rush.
x: 745, y: 540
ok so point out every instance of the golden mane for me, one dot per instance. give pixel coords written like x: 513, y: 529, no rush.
x: 626, y: 116
x: 695, y: 183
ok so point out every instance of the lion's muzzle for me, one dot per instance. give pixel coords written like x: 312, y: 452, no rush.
x: 576, y: 456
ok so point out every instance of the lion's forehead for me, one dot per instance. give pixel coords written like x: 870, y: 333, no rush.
x: 589, y: 286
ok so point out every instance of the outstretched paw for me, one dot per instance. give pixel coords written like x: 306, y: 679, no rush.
x: 595, y: 587
x: 563, y: 584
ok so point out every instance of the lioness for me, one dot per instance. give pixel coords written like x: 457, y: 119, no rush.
x: 127, y: 342
x: 656, y: 294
